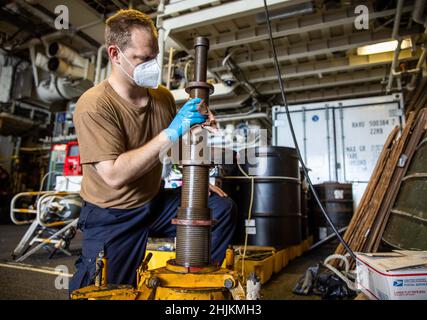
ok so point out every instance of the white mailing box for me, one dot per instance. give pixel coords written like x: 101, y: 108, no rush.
x: 399, y: 275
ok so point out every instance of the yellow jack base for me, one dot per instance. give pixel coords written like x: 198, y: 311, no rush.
x: 108, y: 292
x: 172, y: 283
x: 175, y: 282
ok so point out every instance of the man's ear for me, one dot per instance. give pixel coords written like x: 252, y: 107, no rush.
x: 113, y: 53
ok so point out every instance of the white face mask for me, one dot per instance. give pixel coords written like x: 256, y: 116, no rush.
x: 146, y: 74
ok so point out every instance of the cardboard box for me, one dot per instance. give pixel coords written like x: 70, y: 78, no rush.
x: 398, y: 275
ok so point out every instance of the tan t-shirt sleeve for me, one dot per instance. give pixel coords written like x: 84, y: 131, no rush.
x: 100, y: 138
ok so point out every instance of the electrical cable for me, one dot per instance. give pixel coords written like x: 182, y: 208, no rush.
x: 342, y: 275
x: 285, y: 103
x: 249, y: 215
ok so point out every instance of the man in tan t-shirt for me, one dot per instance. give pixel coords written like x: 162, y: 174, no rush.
x: 122, y: 125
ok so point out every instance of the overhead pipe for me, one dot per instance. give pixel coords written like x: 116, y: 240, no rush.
x: 251, y: 111
x: 170, y: 61
x: 238, y: 73
x: 42, y: 61
x: 58, y: 50
x: 395, y: 36
x: 326, y: 239
x: 229, y: 103
x: 70, y: 33
x: 37, y: 13
x: 101, y: 50
x: 418, y: 14
x: 161, y: 36
x: 419, y: 67
x: 68, y: 63
x: 32, y: 51
x: 63, y: 69
x: 256, y: 115
x: 88, y: 25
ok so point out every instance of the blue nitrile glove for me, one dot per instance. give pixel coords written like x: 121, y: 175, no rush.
x: 186, y: 117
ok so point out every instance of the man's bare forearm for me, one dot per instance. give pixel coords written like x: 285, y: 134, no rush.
x: 134, y: 163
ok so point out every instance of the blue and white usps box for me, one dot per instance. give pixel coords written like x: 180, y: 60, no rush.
x: 392, y: 276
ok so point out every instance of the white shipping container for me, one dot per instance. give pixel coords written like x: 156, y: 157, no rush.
x: 340, y: 140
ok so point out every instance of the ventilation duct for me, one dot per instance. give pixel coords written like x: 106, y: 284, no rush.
x: 61, y: 89
x: 55, y: 49
x: 66, y: 62
x: 63, y: 69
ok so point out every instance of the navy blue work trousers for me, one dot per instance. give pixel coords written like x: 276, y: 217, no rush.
x: 123, y: 234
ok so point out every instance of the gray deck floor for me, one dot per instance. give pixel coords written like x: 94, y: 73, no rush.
x: 35, y: 284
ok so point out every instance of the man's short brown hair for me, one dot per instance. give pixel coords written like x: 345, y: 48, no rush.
x: 119, y: 26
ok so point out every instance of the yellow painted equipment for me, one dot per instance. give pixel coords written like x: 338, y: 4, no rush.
x: 175, y: 282
x: 172, y: 282
x: 159, y: 259
x: 159, y: 279
x: 265, y: 261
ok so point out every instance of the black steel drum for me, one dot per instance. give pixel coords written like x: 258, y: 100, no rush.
x: 276, y: 212
x: 337, y: 199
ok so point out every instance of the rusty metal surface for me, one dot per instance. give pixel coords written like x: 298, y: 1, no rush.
x: 193, y: 222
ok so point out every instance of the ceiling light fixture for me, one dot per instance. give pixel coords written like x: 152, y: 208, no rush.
x: 380, y: 47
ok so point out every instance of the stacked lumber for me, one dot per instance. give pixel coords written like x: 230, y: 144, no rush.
x: 367, y: 226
